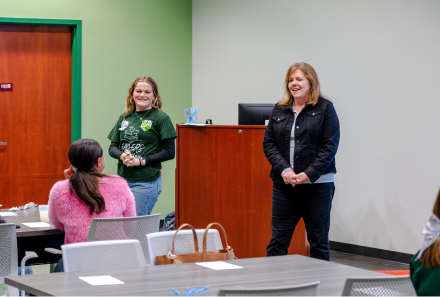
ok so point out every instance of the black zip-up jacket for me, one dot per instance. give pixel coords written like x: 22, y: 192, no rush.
x: 316, y: 140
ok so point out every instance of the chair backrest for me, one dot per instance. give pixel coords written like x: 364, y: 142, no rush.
x: 102, y: 255
x: 161, y: 243
x: 8, y: 251
x: 308, y: 289
x: 8, y: 255
x: 379, y: 286
x: 125, y: 228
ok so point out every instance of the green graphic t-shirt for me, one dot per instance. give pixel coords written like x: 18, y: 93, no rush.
x: 142, y: 135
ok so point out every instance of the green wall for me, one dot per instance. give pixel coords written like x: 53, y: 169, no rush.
x: 124, y: 39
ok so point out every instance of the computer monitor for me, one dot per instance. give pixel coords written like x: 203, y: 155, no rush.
x: 254, y: 114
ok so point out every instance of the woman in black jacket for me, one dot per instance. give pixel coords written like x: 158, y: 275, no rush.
x: 300, y: 143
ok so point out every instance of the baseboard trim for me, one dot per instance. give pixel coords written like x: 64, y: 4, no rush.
x: 370, y: 252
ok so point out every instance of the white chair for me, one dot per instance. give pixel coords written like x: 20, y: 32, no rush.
x: 9, y: 257
x: 299, y: 290
x: 102, y: 255
x: 161, y: 243
x: 125, y: 228
x: 379, y: 286
x: 120, y: 229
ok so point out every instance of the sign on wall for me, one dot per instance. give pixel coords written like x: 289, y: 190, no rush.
x: 5, y: 86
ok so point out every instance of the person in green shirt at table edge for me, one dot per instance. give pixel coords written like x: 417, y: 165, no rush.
x: 425, y: 265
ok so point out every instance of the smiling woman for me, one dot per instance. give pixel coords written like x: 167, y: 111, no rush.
x: 143, y: 96
x: 303, y: 165
x: 142, y: 138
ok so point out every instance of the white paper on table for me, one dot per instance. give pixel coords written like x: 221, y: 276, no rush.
x: 218, y: 265
x: 7, y: 214
x: 37, y: 225
x: 101, y: 280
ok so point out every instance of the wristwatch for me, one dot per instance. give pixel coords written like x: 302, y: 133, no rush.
x: 143, y: 161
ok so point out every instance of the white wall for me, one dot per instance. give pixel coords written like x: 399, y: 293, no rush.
x: 379, y: 63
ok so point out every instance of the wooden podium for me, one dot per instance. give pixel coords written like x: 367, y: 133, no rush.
x: 222, y: 176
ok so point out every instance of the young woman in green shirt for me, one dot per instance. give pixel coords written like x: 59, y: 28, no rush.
x: 141, y: 139
x: 425, y: 265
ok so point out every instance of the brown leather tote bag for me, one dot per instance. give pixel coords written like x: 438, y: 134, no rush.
x: 227, y: 253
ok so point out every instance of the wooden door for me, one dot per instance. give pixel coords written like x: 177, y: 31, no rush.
x: 35, y: 117
x: 222, y: 176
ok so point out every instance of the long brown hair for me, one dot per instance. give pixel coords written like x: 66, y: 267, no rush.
x: 130, y: 106
x: 83, y: 155
x: 312, y: 77
x: 431, y: 256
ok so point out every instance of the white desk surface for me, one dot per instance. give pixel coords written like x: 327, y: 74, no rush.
x: 156, y: 280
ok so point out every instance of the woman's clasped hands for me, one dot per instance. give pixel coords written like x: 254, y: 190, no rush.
x: 292, y: 178
x: 129, y: 160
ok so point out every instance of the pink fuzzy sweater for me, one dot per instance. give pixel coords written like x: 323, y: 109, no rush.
x: 68, y: 213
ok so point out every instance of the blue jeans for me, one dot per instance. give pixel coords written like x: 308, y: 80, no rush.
x: 311, y: 202
x: 28, y: 270
x: 145, y: 194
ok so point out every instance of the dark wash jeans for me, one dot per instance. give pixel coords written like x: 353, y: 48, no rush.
x: 313, y: 203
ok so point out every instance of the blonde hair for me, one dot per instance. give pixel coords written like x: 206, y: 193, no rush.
x: 431, y: 256
x: 312, y: 77
x: 130, y: 106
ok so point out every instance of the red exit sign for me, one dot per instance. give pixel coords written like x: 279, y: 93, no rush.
x: 5, y: 86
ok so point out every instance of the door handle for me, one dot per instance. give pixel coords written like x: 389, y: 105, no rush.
x: 3, y: 143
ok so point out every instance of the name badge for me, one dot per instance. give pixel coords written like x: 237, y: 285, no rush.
x: 124, y: 126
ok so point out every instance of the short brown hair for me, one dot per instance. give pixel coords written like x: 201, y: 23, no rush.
x: 312, y: 77
x: 431, y: 256
x: 130, y: 106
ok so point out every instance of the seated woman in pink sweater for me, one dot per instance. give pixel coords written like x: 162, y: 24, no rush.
x: 87, y: 194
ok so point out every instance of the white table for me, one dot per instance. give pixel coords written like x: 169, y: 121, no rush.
x: 156, y: 280
x: 35, y: 239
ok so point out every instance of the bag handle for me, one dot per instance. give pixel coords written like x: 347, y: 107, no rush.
x: 196, y: 244
x: 205, y: 235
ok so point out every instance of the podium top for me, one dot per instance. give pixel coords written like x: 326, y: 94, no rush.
x: 202, y: 126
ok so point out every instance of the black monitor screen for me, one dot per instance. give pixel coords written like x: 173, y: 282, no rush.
x: 254, y: 114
